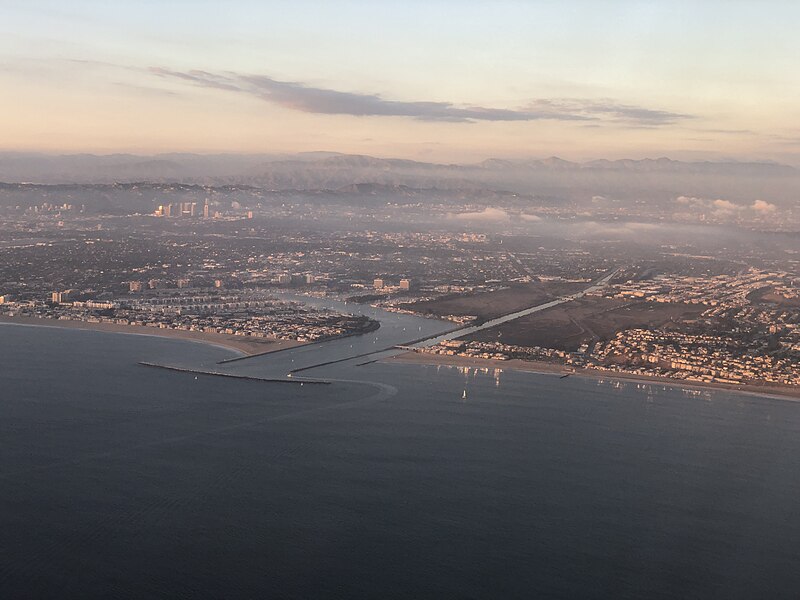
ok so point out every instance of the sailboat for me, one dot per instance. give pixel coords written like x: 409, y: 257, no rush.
x: 464, y: 395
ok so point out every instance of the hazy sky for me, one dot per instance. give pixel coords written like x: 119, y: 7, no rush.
x: 433, y: 80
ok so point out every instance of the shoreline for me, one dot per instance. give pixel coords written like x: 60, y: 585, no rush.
x: 243, y: 346
x: 543, y: 368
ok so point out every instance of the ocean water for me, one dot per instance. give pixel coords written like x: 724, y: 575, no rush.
x: 120, y: 481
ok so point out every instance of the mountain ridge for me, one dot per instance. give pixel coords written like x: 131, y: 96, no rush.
x: 552, y: 176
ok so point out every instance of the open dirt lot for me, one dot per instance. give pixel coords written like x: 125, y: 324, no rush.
x: 768, y: 295
x: 488, y: 305
x: 569, y: 325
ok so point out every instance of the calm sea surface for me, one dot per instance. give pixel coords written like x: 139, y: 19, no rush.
x: 120, y: 481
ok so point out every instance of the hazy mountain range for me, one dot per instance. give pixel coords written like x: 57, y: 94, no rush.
x: 650, y: 179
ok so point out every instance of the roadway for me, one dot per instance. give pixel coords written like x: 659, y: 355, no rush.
x: 451, y: 335
x: 329, y: 357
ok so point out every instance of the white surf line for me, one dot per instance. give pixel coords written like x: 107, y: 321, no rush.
x: 241, y: 353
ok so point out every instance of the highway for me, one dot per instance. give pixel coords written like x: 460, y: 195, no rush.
x: 327, y: 359
x: 451, y: 335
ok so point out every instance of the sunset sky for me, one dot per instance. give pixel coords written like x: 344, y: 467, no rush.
x: 437, y: 80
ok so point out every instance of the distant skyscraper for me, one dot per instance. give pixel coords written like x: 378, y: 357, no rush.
x: 284, y: 278
x: 378, y: 284
x: 309, y: 278
x: 206, y: 210
x: 405, y: 284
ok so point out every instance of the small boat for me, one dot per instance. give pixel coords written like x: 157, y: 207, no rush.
x: 464, y: 395
x: 565, y: 375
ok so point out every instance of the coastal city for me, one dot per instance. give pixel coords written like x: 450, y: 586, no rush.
x: 735, y: 330
x: 678, y: 311
x: 253, y: 315
x: 404, y: 300
x: 399, y: 300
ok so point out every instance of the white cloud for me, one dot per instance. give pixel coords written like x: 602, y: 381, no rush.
x: 718, y: 205
x: 495, y: 215
x: 487, y: 214
x: 763, y: 206
x: 725, y: 205
x: 726, y: 208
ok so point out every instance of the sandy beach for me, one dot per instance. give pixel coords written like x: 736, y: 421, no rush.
x: 242, y: 345
x: 783, y: 392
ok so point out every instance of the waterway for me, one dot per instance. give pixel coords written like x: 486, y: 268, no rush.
x: 127, y: 482
x: 397, y: 329
x: 394, y: 481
